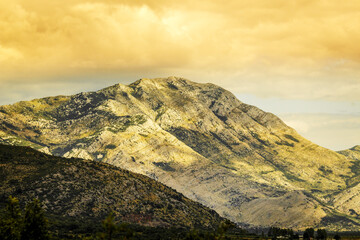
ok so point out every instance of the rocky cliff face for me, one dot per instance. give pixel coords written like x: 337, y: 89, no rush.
x: 199, y: 139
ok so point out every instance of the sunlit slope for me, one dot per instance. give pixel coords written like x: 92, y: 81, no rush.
x: 197, y: 138
x: 348, y: 200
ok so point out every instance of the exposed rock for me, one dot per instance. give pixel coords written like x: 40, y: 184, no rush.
x: 353, y: 153
x: 198, y: 139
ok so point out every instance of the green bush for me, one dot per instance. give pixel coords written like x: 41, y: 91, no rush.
x: 29, y: 226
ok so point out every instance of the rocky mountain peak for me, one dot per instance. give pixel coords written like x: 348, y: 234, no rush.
x: 197, y: 138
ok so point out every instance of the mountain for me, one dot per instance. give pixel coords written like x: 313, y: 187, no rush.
x: 199, y: 139
x: 353, y: 153
x: 347, y: 201
x: 81, y: 190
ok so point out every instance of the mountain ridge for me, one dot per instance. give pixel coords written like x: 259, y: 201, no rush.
x: 196, y: 138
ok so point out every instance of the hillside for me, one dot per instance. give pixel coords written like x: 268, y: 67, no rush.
x: 77, y: 190
x: 348, y: 200
x: 353, y: 153
x: 199, y: 139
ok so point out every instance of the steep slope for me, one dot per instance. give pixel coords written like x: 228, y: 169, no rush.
x: 353, y: 153
x: 196, y: 138
x: 348, y: 200
x: 88, y: 190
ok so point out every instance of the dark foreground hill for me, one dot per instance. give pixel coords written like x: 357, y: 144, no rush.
x: 79, y: 192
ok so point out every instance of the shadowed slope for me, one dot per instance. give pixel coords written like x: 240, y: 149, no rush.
x: 84, y: 190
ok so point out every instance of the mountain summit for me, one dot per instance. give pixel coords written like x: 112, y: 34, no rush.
x: 199, y: 139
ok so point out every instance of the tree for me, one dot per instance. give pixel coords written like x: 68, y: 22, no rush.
x: 321, y: 234
x: 35, y: 223
x: 273, y: 233
x: 10, y: 224
x: 309, y: 233
x: 225, y: 226
x: 290, y: 233
x: 112, y: 230
x: 192, y: 235
x: 337, y: 237
x: 109, y: 227
x: 125, y: 231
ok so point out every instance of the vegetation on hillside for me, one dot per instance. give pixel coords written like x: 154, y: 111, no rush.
x: 200, y: 140
x: 77, y: 193
x: 31, y: 224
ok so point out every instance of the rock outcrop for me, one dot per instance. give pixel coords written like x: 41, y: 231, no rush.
x: 199, y: 139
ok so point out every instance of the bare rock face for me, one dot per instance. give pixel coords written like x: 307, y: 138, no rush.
x: 348, y: 200
x: 199, y: 139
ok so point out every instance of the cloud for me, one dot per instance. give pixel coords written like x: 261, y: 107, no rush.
x: 292, y: 49
x: 9, y: 54
x: 280, y: 49
x: 300, y: 126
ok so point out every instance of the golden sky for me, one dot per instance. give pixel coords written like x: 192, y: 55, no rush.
x: 290, y: 49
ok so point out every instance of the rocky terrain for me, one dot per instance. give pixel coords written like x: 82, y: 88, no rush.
x: 199, y: 139
x: 353, y: 153
x: 348, y: 201
x: 83, y: 190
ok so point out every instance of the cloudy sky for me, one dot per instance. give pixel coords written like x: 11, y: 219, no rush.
x: 299, y: 59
